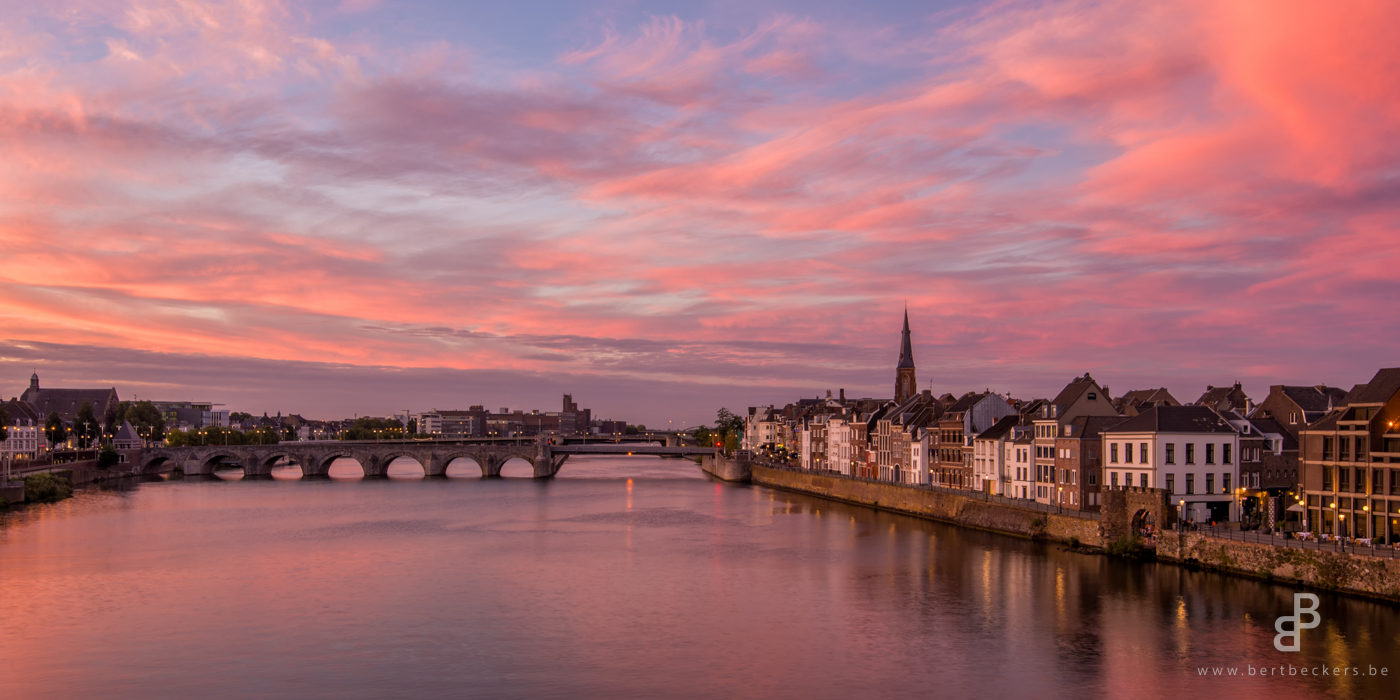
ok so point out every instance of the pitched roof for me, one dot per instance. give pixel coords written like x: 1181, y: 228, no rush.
x: 126, y: 433
x: 1224, y: 397
x: 1090, y: 427
x: 66, y: 402
x: 1313, y: 398
x: 19, y: 411
x: 966, y: 403
x: 1384, y: 385
x: 1140, y: 396
x: 1073, y: 390
x: 1174, y: 419
x: 1000, y: 429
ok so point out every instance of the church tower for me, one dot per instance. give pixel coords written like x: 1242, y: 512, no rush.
x: 905, y: 386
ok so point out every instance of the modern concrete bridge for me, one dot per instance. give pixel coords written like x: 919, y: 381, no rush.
x: 315, y: 458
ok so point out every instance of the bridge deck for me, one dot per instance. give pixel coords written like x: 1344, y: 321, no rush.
x: 626, y: 449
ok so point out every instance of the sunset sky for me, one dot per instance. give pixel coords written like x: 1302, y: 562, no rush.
x: 337, y: 207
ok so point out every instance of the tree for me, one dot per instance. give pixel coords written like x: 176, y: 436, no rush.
x: 54, y: 429
x: 85, y: 425
x: 145, y: 417
x: 728, y: 423
x: 4, y: 424
x: 412, y: 426
x: 374, y: 429
x: 111, y: 422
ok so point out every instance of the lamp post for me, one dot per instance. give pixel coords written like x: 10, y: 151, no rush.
x: 1342, y: 521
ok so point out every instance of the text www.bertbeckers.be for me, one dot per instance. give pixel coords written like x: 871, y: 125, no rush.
x: 1293, y: 670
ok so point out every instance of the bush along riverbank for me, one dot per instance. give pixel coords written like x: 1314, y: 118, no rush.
x: 46, y: 488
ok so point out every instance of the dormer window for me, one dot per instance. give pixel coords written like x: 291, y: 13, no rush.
x: 1092, y: 395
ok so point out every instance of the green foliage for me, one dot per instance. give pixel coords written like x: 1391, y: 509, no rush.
x: 46, y: 488
x: 1129, y: 546
x: 107, y: 458
x: 144, y: 416
x: 85, y: 426
x: 631, y: 430
x: 374, y: 429
x: 704, y: 436
x: 54, y: 429
x: 222, y: 436
x: 4, y: 424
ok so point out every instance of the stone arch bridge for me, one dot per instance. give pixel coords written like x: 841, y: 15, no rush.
x: 315, y: 458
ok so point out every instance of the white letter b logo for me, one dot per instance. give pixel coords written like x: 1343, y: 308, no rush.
x: 1289, y: 626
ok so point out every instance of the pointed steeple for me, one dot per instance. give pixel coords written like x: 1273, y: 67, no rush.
x: 905, y: 384
x: 906, y: 348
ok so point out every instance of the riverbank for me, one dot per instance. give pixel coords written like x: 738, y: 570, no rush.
x: 1371, y: 577
x: 74, y: 473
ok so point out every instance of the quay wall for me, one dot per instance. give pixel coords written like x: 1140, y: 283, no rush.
x: 1373, y: 577
x: 1353, y: 574
x: 958, y: 509
x: 726, y: 468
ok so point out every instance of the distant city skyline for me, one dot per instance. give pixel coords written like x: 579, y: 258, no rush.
x: 348, y: 206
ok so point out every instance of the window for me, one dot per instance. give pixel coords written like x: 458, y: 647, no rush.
x: 1127, y: 453
x: 1142, y: 452
x: 1171, y: 483
x: 1225, y: 482
x: 1343, y: 479
x: 1360, y: 480
x: 1225, y: 454
x: 1094, y: 478
x: 1210, y: 453
x: 1210, y: 483
x: 1142, y: 480
x: 1327, y: 448
x: 1113, y: 479
x: 1344, y: 449
x: 1092, y: 396
x: 1171, y: 453
x: 1113, y: 453
x: 1190, y: 453
x: 1293, y: 418
x: 1190, y: 483
x: 1361, y: 449
x: 1327, y: 478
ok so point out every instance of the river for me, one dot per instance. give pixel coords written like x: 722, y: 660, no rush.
x: 623, y: 577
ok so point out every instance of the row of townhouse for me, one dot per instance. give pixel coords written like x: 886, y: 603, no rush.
x: 1221, y: 457
x: 1061, y: 452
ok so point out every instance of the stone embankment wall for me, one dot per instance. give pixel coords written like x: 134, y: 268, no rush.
x: 1377, y: 577
x: 726, y: 468
x: 969, y: 510
x: 1373, y: 577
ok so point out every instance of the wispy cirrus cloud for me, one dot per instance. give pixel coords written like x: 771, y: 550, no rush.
x: 1050, y: 187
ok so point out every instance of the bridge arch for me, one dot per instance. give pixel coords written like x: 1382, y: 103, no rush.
x: 157, y: 462
x: 321, y: 463
x: 404, y: 465
x: 516, y: 467
x: 457, y: 461
x: 209, y: 461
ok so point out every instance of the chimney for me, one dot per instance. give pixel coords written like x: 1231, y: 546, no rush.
x: 843, y: 393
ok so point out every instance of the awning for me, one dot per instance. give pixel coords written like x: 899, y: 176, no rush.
x: 1296, y: 508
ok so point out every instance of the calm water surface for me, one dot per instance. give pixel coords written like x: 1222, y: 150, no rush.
x: 624, y: 577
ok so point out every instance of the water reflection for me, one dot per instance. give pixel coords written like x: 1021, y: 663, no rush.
x: 623, y: 577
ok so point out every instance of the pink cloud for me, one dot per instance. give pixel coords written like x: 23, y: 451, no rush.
x: 1047, y: 185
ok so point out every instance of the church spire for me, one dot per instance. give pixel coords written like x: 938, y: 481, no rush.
x: 906, y: 348
x: 905, y: 385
